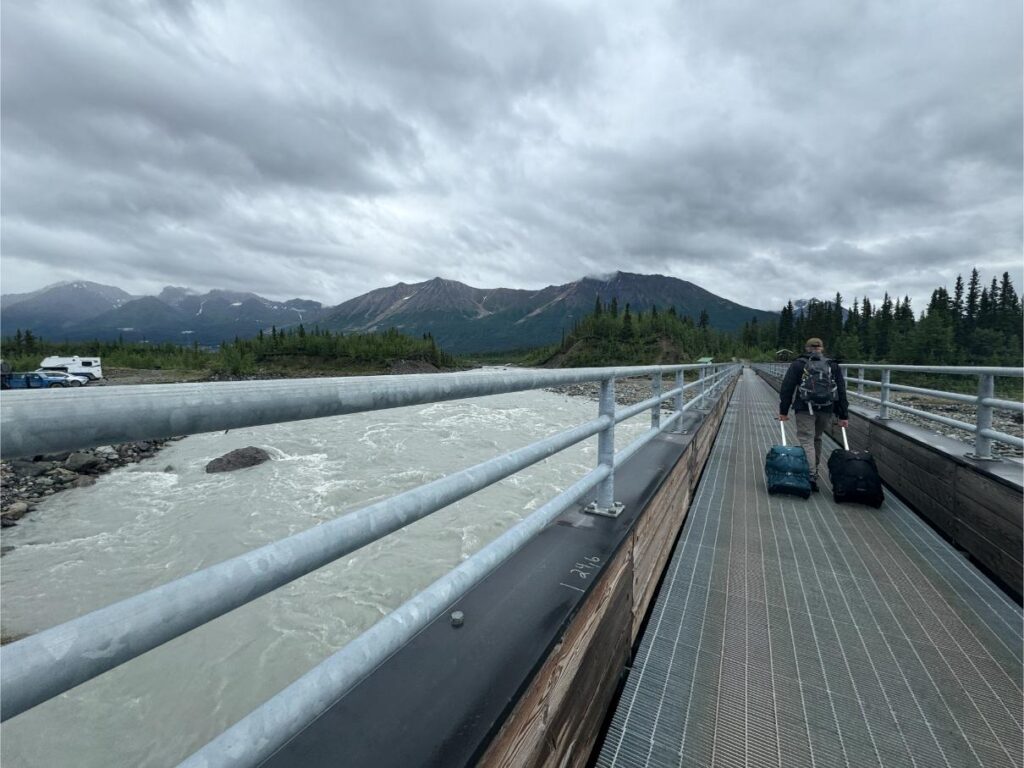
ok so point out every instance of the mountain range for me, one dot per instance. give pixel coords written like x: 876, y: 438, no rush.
x: 461, y: 318
x: 801, y: 307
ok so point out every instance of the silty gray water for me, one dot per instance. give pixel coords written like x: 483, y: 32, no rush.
x: 145, y: 525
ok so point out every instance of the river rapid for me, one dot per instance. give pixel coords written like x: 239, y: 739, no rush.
x: 144, y: 525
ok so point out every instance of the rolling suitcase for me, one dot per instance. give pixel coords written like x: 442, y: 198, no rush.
x: 786, y: 469
x: 854, y: 476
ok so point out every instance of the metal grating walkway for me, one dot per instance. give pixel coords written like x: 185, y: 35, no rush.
x: 805, y: 633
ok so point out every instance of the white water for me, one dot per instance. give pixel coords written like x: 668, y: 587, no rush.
x: 145, y: 525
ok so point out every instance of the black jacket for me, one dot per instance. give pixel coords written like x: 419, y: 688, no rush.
x: 790, y: 392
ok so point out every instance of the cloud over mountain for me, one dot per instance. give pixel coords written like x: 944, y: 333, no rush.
x: 334, y: 147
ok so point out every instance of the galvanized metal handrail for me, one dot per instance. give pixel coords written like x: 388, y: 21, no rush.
x: 50, y: 662
x: 984, y: 401
x: 85, y: 417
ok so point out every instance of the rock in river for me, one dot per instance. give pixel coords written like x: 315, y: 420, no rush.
x: 238, y: 459
x: 17, y: 510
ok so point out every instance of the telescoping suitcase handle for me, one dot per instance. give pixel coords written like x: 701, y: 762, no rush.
x: 782, y: 427
x: 846, y: 444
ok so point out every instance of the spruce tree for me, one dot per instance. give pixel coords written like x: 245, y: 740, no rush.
x: 959, y: 324
x: 853, y: 318
x: 972, y: 305
x: 837, y: 317
x: 884, y: 328
x: 785, y: 327
x: 865, y: 328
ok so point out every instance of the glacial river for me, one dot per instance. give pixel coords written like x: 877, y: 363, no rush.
x: 144, y: 525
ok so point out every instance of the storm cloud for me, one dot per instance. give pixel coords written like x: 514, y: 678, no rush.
x: 323, y: 149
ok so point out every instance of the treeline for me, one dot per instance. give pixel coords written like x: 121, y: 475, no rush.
x: 610, y: 336
x: 23, y: 351
x: 286, y: 350
x: 975, y: 325
x: 298, y: 347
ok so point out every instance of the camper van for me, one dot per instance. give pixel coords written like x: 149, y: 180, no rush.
x: 80, y: 366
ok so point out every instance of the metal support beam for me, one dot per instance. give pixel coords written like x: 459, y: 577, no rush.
x: 656, y: 392
x: 983, y: 420
x: 680, y: 385
x: 883, y: 407
x: 605, y: 503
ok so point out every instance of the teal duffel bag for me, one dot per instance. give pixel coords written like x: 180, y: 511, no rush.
x: 786, y: 469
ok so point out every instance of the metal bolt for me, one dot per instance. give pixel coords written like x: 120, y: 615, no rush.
x: 457, y: 618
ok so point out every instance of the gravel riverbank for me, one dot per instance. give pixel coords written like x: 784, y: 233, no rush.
x: 627, y: 391
x: 1008, y: 422
x: 26, y: 482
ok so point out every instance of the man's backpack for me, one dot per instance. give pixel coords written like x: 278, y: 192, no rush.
x: 818, y: 385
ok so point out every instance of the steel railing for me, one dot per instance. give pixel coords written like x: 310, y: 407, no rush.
x: 50, y: 662
x: 984, y: 401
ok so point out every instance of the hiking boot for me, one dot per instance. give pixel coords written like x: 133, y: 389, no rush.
x: 814, y: 486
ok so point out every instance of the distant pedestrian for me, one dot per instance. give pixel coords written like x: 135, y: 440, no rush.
x: 815, y: 388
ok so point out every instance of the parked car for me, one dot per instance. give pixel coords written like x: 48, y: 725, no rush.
x: 73, y: 380
x: 31, y: 381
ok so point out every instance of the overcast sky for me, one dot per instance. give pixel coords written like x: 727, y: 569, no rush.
x: 320, y: 149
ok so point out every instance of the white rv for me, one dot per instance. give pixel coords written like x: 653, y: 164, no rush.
x: 80, y: 366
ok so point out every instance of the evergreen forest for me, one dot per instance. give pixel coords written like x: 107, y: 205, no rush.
x: 277, y: 352
x: 974, y: 325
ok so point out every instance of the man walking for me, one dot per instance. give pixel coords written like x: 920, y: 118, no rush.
x: 815, y: 387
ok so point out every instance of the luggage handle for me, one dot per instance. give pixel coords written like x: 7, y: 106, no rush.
x: 782, y: 427
x: 846, y: 444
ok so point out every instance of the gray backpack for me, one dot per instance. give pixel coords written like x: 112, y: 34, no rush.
x: 818, y: 385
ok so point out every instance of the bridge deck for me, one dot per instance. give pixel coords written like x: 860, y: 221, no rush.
x: 794, y: 633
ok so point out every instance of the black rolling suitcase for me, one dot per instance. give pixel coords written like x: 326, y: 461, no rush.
x: 786, y: 469
x: 854, y: 476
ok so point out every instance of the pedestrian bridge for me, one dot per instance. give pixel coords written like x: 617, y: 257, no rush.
x: 663, y: 610
x: 797, y: 633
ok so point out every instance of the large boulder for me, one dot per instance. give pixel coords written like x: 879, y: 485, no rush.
x: 238, y: 459
x: 81, y: 461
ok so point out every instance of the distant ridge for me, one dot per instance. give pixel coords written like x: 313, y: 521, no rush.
x: 466, y: 319
x: 461, y: 318
x: 82, y: 311
x: 58, y: 309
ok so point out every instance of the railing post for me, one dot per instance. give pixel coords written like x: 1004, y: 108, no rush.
x: 883, y: 407
x: 656, y: 392
x: 860, y: 384
x: 703, y: 386
x: 606, y: 504
x: 983, y: 419
x: 680, y: 383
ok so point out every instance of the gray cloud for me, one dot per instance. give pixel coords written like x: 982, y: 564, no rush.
x: 324, y: 149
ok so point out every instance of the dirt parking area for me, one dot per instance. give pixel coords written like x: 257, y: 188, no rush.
x: 119, y: 376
